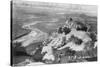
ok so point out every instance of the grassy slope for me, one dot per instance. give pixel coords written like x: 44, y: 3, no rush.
x: 26, y: 15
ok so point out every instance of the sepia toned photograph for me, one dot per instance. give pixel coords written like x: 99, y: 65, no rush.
x: 44, y: 33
